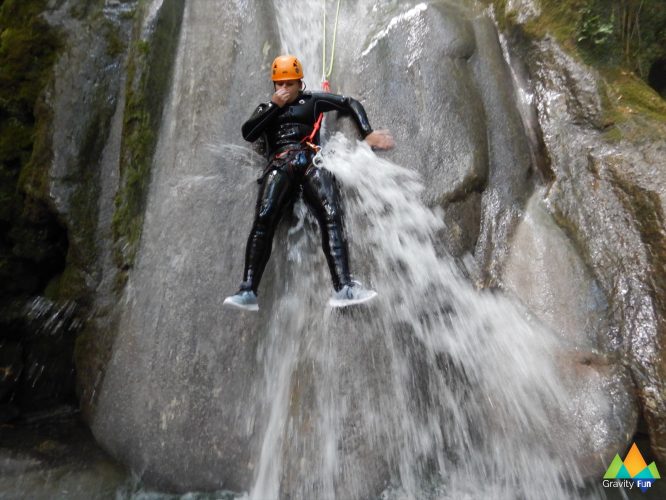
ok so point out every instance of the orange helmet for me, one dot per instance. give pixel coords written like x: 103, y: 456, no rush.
x: 287, y: 68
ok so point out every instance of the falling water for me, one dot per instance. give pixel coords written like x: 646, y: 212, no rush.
x: 469, y: 388
x: 448, y: 392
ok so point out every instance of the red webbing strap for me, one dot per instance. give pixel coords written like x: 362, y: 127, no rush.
x: 325, y: 86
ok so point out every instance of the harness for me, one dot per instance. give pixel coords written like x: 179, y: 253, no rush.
x: 302, y: 155
x: 296, y: 158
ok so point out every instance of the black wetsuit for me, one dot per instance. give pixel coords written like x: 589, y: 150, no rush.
x: 290, y: 169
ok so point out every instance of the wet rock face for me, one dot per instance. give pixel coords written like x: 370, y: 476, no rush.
x: 604, y: 194
x: 54, y: 453
x: 509, y: 156
x: 608, y: 197
x: 542, y: 264
x: 432, y: 88
x: 83, y: 97
x: 602, y: 413
x: 184, y: 374
x: 546, y: 272
x: 177, y: 402
x: 47, y: 247
x: 451, y: 107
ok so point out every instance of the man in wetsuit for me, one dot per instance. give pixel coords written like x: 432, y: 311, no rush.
x: 287, y: 125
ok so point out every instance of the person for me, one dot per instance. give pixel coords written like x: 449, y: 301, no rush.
x: 288, y: 125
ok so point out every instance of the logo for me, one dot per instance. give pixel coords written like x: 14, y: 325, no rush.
x: 632, y: 471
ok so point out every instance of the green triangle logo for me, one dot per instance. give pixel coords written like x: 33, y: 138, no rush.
x: 654, y: 471
x: 614, y: 468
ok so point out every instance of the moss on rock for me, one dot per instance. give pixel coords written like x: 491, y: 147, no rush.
x: 30, y: 250
x: 48, y: 204
x: 619, y: 39
x: 148, y: 78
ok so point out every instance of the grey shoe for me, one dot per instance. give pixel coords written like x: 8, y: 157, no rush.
x: 243, y: 299
x: 351, y: 294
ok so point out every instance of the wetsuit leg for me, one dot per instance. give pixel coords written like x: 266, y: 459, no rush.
x: 322, y: 195
x: 275, y: 193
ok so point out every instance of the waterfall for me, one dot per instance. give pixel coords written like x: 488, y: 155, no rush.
x: 452, y: 389
x: 471, y: 385
x: 433, y: 390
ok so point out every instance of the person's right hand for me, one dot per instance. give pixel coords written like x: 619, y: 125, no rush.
x: 380, y: 139
x: 280, y: 97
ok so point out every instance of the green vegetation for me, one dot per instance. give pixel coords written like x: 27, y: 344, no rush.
x: 631, y: 96
x: 138, y: 146
x: 148, y: 76
x: 595, y: 29
x: 630, y: 34
x: 115, y: 45
x: 31, y: 243
x: 27, y: 53
x: 622, y: 39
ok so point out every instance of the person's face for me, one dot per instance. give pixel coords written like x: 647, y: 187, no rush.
x: 291, y: 86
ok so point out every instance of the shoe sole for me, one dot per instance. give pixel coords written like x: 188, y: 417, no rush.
x: 339, y: 303
x: 245, y: 307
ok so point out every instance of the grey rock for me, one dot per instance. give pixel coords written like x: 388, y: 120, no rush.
x: 546, y: 272
x: 608, y: 197
x: 196, y: 373
x: 509, y: 156
x: 83, y: 98
x: 180, y: 401
x: 57, y: 458
x: 523, y: 10
x: 601, y: 414
x: 463, y: 221
x: 427, y: 96
x: 192, y: 382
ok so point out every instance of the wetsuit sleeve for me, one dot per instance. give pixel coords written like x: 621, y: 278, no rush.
x: 260, y: 119
x: 331, y: 102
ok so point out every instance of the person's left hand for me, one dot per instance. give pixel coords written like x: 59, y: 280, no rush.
x: 380, y: 139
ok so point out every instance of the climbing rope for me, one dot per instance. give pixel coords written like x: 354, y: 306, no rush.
x: 325, y: 74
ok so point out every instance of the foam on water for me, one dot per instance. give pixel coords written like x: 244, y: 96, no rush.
x: 450, y: 391
x: 472, y: 390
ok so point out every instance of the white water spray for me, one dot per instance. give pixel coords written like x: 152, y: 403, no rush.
x: 454, y: 391
x: 445, y: 391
